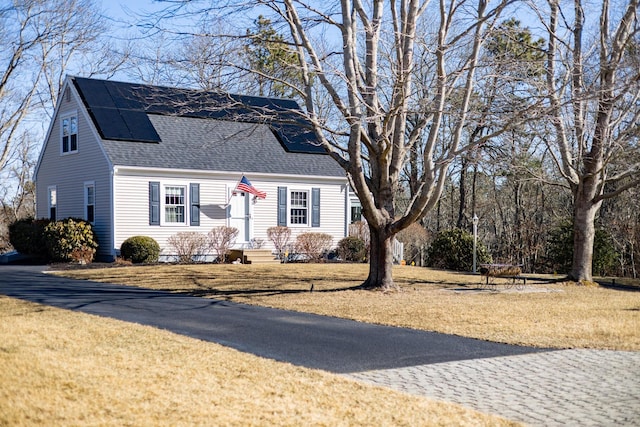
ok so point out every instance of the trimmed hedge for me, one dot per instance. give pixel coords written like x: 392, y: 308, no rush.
x: 140, y: 249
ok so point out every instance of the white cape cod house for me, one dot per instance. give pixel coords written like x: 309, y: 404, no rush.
x: 135, y: 159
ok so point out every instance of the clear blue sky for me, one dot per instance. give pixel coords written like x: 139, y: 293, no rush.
x: 117, y: 9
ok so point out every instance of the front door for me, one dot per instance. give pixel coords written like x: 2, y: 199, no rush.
x: 239, y: 216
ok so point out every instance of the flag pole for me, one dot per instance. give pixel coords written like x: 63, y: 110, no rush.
x: 233, y: 191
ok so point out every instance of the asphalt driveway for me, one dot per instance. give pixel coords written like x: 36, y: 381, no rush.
x: 331, y: 344
x: 540, y: 388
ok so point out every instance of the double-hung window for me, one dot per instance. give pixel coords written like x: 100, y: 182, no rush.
x: 356, y: 213
x: 299, y: 207
x: 90, y: 201
x: 53, y: 201
x: 69, y: 134
x: 174, y: 204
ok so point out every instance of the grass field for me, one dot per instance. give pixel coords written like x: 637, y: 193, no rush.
x: 63, y: 368
x: 68, y: 368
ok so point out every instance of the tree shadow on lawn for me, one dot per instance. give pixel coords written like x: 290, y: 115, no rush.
x: 478, y: 282
x: 209, y: 291
x: 312, y: 286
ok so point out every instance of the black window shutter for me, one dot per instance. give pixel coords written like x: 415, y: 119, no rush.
x: 154, y: 203
x: 282, y: 206
x: 194, y: 193
x: 315, y: 207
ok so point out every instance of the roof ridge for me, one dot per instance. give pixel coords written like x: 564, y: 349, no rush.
x: 162, y: 86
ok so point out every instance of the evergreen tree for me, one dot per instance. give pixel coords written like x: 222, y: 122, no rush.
x: 273, y: 62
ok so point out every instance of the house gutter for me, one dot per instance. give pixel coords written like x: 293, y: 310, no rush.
x: 142, y: 171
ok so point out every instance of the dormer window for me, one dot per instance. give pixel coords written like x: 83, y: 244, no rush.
x: 70, y: 134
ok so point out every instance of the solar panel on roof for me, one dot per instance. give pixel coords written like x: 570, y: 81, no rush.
x: 140, y: 126
x: 120, y: 111
x: 297, y: 139
x: 125, y: 98
x: 111, y: 125
x: 95, y: 93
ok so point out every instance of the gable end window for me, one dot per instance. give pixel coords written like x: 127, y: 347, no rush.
x: 69, y: 134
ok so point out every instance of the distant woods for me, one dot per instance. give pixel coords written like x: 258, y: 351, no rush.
x: 436, y: 111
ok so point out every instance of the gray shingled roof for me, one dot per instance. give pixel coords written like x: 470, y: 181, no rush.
x: 219, y: 145
x: 163, y: 127
x: 120, y: 111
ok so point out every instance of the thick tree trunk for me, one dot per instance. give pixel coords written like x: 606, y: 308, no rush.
x: 584, y: 232
x: 380, y: 261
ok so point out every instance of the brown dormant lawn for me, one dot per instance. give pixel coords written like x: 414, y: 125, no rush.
x: 62, y: 368
x: 558, y: 315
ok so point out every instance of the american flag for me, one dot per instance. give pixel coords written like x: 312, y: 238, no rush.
x: 245, y: 186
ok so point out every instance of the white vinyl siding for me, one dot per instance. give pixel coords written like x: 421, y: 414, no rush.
x: 131, y: 191
x: 69, y: 173
x: 332, y: 210
x: 132, y: 206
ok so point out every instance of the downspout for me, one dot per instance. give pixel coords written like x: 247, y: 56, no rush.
x: 347, y: 210
x: 112, y: 235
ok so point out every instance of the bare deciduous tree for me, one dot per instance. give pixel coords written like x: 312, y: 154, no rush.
x: 43, y: 39
x: 368, y: 77
x: 376, y: 97
x: 593, y: 89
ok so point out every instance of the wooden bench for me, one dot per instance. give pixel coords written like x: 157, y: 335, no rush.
x: 504, y: 271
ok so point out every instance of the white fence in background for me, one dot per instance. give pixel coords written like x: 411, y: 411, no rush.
x: 398, y: 251
x: 361, y: 230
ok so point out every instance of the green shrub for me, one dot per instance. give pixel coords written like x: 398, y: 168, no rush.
x: 70, y: 240
x: 560, y: 247
x: 353, y: 249
x: 453, y: 250
x: 27, y: 236
x: 360, y: 229
x: 140, y: 249
x: 560, y: 250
